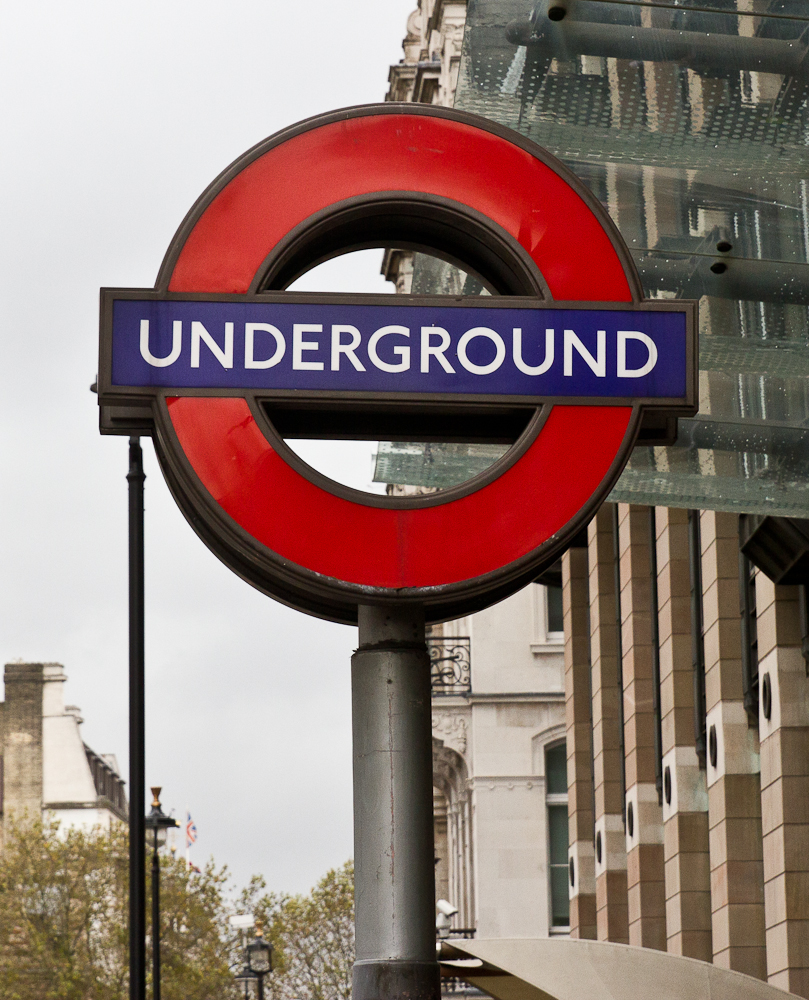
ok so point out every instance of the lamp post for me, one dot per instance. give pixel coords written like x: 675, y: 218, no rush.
x: 258, y: 962
x: 249, y: 980
x: 159, y: 824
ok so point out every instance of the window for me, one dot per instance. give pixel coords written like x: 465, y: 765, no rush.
x: 549, y: 627
x: 556, y: 801
x: 556, y: 621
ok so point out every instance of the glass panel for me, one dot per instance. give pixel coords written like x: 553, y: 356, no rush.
x: 693, y: 133
x: 433, y: 465
x: 560, y: 899
x: 557, y: 853
x: 556, y: 773
x: 432, y: 276
x: 557, y: 826
x: 556, y: 621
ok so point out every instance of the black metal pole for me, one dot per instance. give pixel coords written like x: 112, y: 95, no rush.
x: 137, y: 780
x: 698, y: 50
x: 155, y: 921
x: 260, y: 987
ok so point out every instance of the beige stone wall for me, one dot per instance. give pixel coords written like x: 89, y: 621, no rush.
x: 610, y: 854
x: 784, y: 730
x: 692, y: 877
x: 685, y: 796
x: 644, y: 820
x: 734, y: 804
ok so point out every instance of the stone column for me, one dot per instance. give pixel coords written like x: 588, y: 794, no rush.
x: 644, y: 819
x: 579, y: 741
x: 685, y: 795
x: 734, y: 800
x: 443, y: 861
x: 610, y: 852
x: 784, y: 730
x: 468, y: 874
x: 456, y: 878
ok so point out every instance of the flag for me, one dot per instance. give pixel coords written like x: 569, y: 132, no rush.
x: 190, y: 832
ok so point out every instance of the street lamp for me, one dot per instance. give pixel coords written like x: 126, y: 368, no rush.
x: 159, y: 824
x: 258, y: 955
x: 249, y: 980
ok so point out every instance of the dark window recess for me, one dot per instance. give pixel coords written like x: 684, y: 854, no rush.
x: 697, y: 634
x: 429, y: 92
x: 747, y: 610
x: 556, y: 772
x: 556, y: 620
x: 803, y: 609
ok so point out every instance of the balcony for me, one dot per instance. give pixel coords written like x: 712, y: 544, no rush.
x: 450, y: 662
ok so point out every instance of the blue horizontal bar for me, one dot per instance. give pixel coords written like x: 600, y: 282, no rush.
x: 419, y: 349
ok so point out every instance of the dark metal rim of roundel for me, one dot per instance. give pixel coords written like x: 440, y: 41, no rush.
x: 288, y: 531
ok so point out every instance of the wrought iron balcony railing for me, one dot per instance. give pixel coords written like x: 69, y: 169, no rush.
x: 450, y: 660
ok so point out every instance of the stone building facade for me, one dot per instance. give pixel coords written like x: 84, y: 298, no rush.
x: 704, y: 851
x: 46, y: 769
x: 679, y: 685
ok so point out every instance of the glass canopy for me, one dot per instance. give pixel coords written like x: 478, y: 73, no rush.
x: 690, y: 123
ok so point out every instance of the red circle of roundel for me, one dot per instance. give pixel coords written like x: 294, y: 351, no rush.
x: 350, y: 541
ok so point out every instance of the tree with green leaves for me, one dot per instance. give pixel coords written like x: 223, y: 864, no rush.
x: 64, y: 911
x: 64, y: 914
x: 312, y: 937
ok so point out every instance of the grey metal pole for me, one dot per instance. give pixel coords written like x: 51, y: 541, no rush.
x: 393, y: 809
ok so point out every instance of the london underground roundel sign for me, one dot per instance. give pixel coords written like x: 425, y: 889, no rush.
x: 565, y: 359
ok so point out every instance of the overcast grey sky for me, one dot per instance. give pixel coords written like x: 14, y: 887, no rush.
x: 115, y: 116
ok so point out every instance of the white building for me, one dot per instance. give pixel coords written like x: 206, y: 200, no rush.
x: 500, y: 768
x: 47, y: 769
